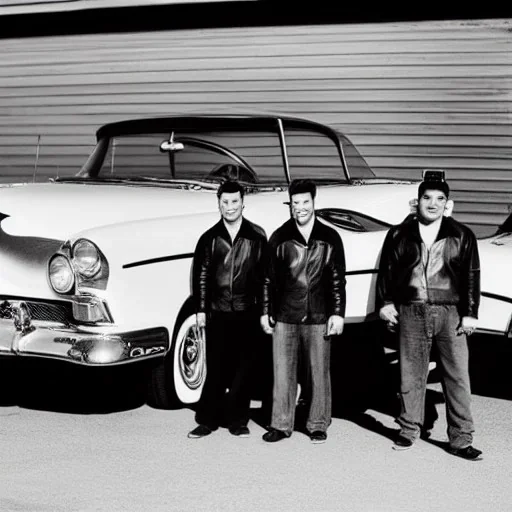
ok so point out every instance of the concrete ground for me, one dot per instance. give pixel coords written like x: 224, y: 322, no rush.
x: 62, y: 455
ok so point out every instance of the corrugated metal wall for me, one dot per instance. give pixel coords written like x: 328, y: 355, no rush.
x: 410, y: 95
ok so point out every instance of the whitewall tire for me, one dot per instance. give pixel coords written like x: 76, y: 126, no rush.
x: 189, y: 362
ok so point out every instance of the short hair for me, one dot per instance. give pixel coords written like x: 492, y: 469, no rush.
x: 434, y: 180
x: 230, y: 187
x: 302, y: 186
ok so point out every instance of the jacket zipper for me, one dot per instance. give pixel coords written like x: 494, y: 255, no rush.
x: 231, y: 276
x: 307, y: 284
x: 425, y: 271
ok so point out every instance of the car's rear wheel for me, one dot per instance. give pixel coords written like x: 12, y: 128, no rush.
x: 179, y: 378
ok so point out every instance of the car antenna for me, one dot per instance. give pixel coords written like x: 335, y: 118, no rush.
x: 37, y: 158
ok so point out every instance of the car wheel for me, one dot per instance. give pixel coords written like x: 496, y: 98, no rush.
x: 179, y: 378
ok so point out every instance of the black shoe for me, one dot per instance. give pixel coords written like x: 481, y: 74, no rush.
x: 240, y: 431
x: 468, y: 453
x: 274, y: 435
x: 318, y: 436
x: 402, y: 443
x: 425, y: 435
x: 200, y: 431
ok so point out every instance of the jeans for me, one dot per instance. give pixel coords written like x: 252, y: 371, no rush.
x: 226, y: 396
x: 420, y: 326
x: 288, y: 340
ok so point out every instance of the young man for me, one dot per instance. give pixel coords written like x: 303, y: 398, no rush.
x: 305, y: 297
x: 227, y: 287
x: 429, y: 287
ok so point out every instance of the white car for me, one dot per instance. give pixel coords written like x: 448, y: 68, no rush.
x: 96, y: 268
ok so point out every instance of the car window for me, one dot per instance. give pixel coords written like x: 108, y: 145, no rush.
x: 252, y: 156
x: 357, y: 165
x: 313, y: 155
x: 198, y: 155
x: 136, y: 155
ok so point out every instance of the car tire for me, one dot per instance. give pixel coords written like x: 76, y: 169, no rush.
x: 178, y: 379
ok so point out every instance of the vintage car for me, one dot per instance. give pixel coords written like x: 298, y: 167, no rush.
x: 96, y: 268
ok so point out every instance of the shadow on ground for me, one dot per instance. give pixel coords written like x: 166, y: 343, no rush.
x: 64, y: 387
x: 364, y: 376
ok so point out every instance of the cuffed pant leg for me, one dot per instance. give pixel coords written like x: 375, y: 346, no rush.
x: 285, y: 355
x: 454, y: 360
x: 318, y: 352
x: 415, y: 342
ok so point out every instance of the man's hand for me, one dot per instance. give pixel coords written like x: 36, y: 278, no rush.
x: 201, y: 320
x: 265, y: 322
x: 201, y: 324
x: 389, y: 314
x: 335, y: 325
x: 467, y: 326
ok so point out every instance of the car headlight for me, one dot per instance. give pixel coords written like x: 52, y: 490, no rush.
x: 86, y: 258
x: 61, y: 274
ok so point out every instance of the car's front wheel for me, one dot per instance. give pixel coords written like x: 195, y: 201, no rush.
x: 179, y: 378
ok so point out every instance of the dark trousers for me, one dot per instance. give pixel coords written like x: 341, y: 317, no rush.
x: 420, y: 326
x: 226, y: 396
x: 288, y: 341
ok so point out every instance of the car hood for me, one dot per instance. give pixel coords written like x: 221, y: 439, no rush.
x: 57, y: 211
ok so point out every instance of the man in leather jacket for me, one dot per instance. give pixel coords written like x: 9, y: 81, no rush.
x: 227, y: 280
x: 428, y: 287
x: 304, y: 304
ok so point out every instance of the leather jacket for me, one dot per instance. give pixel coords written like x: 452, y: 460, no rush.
x: 227, y: 275
x: 304, y: 282
x: 447, y: 274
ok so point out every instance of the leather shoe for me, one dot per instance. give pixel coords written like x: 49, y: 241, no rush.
x: 274, y: 435
x: 240, y: 431
x: 318, y: 437
x: 200, y: 431
x: 402, y: 443
x: 468, y: 453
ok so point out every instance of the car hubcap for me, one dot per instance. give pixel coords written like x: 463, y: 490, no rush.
x: 192, y: 358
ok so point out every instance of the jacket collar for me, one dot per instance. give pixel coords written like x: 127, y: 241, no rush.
x: 245, y: 230
x: 447, y: 229
x: 298, y: 236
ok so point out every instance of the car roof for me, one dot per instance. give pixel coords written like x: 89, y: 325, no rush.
x: 212, y: 122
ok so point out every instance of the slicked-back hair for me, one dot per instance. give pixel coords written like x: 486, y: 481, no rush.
x: 302, y: 186
x: 230, y: 187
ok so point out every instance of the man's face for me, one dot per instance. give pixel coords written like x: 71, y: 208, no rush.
x: 431, y: 205
x: 231, y: 206
x: 302, y: 207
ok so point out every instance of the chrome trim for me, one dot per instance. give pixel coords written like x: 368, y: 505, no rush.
x: 491, y: 332
x: 53, y: 341
x: 341, y: 153
x: 191, y: 357
x: 282, y: 139
x: 90, y: 309
x: 20, y: 315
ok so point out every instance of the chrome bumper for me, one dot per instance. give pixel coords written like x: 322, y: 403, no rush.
x: 20, y: 336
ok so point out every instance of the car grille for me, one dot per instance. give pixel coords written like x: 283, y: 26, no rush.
x: 61, y: 313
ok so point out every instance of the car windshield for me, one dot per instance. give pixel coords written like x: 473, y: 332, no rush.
x: 208, y: 157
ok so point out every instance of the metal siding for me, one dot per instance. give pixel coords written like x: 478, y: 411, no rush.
x: 410, y: 95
